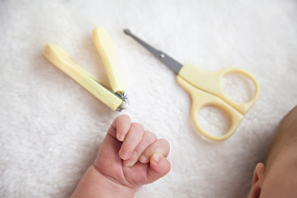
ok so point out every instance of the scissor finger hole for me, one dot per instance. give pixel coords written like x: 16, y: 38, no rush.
x: 214, y: 120
x: 238, y: 87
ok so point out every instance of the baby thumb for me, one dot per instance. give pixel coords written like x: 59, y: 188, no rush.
x: 159, y: 167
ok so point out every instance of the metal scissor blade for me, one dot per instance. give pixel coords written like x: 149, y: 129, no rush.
x: 164, y: 58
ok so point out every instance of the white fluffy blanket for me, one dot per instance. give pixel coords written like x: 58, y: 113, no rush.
x: 51, y: 127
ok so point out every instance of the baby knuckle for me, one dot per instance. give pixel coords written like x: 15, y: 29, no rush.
x: 150, y: 137
x: 122, y: 119
x: 137, y: 126
x: 131, y: 142
x: 124, y: 116
x: 165, y: 143
x: 136, y: 153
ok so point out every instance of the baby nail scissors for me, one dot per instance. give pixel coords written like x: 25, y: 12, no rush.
x: 204, y: 88
x: 115, y: 99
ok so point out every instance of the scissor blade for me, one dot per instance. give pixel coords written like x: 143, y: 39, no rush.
x: 164, y: 58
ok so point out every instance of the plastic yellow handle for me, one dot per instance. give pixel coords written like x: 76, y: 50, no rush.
x: 200, y: 99
x: 60, y: 59
x: 211, y: 83
x: 104, y: 46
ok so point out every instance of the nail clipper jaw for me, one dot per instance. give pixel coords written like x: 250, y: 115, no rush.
x: 125, y: 102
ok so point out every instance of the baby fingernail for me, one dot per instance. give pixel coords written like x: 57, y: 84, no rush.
x: 157, y: 158
x: 124, y: 155
x: 121, y: 137
x: 142, y: 159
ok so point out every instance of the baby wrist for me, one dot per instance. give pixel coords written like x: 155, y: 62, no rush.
x: 95, y: 183
x: 114, y: 188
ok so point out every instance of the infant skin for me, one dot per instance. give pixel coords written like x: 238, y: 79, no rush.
x: 277, y: 177
x: 128, y: 158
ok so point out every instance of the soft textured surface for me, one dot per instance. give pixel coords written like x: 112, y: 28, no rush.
x: 50, y: 127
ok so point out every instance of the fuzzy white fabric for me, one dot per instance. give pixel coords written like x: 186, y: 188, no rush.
x: 51, y: 127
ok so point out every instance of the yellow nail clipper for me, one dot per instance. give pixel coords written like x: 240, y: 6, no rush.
x: 115, y: 99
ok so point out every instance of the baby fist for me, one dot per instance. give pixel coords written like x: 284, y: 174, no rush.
x: 131, y: 156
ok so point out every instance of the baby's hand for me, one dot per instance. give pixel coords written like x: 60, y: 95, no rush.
x: 131, y: 156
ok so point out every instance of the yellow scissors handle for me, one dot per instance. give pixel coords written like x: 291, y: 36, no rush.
x: 200, y: 99
x: 211, y: 83
x: 205, y: 88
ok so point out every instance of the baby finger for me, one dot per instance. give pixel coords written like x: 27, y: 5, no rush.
x: 147, y: 139
x: 161, y: 146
